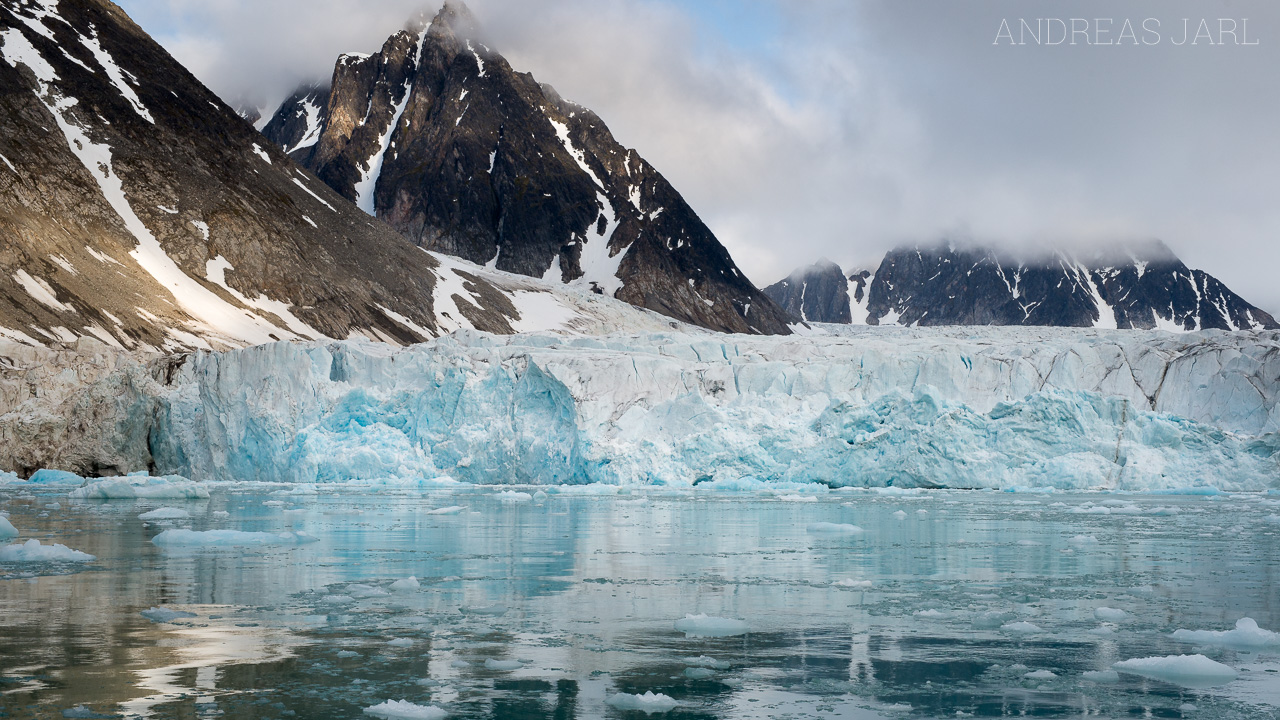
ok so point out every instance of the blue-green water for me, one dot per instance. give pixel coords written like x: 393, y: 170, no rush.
x: 584, y: 593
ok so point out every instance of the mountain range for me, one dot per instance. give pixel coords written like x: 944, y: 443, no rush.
x: 1141, y: 285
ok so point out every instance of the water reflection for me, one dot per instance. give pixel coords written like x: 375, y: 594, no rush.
x: 952, y: 605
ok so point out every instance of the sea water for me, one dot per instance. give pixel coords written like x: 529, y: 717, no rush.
x: 525, y: 603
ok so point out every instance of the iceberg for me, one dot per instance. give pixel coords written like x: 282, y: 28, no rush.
x: 405, y: 710
x: 1193, y: 671
x: 1246, y: 636
x: 7, y: 530
x: 33, y: 551
x: 165, y: 513
x: 648, y: 703
x: 171, y: 487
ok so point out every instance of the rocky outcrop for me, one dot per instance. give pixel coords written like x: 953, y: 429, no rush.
x: 437, y: 135
x: 1142, y: 285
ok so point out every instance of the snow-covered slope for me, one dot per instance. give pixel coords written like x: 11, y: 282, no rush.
x: 965, y: 408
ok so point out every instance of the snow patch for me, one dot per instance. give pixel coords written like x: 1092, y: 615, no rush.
x: 40, y: 291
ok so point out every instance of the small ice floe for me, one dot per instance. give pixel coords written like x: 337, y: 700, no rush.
x: 1107, y: 614
x: 1040, y: 675
x: 504, y: 665
x: 1246, y: 635
x: 229, y: 538
x: 513, y: 496
x: 707, y: 662
x: 1101, y: 676
x: 361, y: 591
x: 540, y: 496
x: 165, y: 513
x: 347, y: 654
x: 851, y: 583
x: 7, y: 530
x: 400, y: 643
x: 451, y: 510
x: 489, y: 610
x: 1083, y: 540
x: 169, y: 487
x: 1022, y: 627
x: 1193, y: 671
x: 931, y: 613
x: 798, y: 498
x: 459, y: 664
x: 828, y: 528
x: 901, y: 515
x: 165, y: 615
x: 706, y: 626
x: 698, y: 673
x: 647, y: 703
x: 33, y: 551
x: 408, y: 584
x: 336, y: 599
x: 405, y: 710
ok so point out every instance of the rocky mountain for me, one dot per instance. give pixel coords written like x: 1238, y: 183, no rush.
x: 1143, y: 285
x: 138, y: 209
x: 438, y: 136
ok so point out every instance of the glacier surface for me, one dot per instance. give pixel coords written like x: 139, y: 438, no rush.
x: 1002, y: 408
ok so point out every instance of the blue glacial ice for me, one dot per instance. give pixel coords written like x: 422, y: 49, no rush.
x: 962, y: 408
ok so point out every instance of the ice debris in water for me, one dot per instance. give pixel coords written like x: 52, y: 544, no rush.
x: 1194, y: 671
x: 705, y: 626
x: 705, y: 661
x: 1040, y: 675
x: 1246, y: 635
x: 698, y: 673
x: 492, y: 664
x: 361, y: 591
x: 164, y: 615
x: 170, y: 487
x: 490, y: 610
x: 7, y: 530
x: 900, y: 515
x: 165, y: 513
x: 1107, y: 614
x: 851, y: 583
x: 513, y: 496
x: 228, y: 538
x: 400, y: 642
x: 84, y: 712
x: 405, y: 710
x: 1101, y: 676
x: 33, y: 551
x: 408, y: 584
x: 827, y: 528
x: 649, y: 702
x: 451, y: 510
x: 1020, y: 627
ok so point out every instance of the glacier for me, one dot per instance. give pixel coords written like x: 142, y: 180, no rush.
x: 998, y: 408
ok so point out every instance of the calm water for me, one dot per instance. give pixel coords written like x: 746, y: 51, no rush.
x: 585, y: 591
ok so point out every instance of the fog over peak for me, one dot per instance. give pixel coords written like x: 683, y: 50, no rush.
x: 801, y: 129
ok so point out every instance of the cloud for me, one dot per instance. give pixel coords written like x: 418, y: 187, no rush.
x: 838, y: 128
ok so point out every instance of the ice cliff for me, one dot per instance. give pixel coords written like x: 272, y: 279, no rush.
x: 958, y: 407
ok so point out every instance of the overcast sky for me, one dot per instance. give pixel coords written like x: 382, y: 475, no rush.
x: 801, y: 129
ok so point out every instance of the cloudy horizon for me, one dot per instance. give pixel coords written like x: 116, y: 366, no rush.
x: 838, y: 129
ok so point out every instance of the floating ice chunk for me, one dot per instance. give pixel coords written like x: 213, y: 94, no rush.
x: 55, y: 477
x: 405, y: 710
x: 900, y: 515
x: 1101, y: 676
x: 1102, y: 631
x: 798, y: 498
x: 647, y: 703
x: 7, y: 530
x: 459, y: 664
x: 165, y: 615
x: 513, y: 496
x: 1194, y: 671
x: 539, y: 496
x: 851, y: 583
x: 504, y: 665
x: 33, y: 551
x: 698, y: 673
x: 705, y: 626
x: 337, y: 599
x: 931, y: 613
x: 1246, y: 634
x: 408, y: 584
x: 400, y: 642
x: 228, y: 538
x: 361, y: 591
x: 489, y: 610
x: 826, y: 528
x: 1040, y: 675
x: 221, y: 514
x: 451, y: 510
x: 84, y: 712
x: 1107, y: 614
x: 1083, y: 540
x: 705, y: 661
x: 347, y: 654
x: 1020, y: 627
x: 170, y: 487
x: 165, y: 513
x: 589, y: 489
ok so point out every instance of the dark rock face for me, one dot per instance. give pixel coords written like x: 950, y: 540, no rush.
x: 818, y: 293
x: 297, y: 132
x: 138, y: 208
x: 1140, y: 286
x: 437, y: 135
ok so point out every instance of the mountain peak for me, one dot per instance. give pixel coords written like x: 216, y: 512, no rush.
x: 455, y: 20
